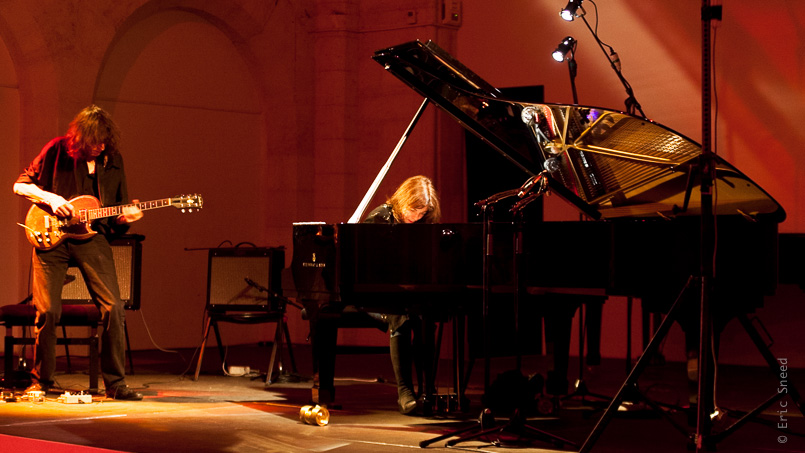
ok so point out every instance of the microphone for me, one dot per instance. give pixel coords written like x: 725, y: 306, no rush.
x: 551, y: 164
x: 255, y: 285
x: 529, y: 115
x: 528, y: 185
x: 497, y: 197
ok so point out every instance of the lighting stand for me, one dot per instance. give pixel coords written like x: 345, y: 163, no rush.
x: 580, y: 387
x: 572, y: 67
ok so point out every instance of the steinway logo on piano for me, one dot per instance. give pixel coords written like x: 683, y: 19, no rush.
x: 312, y: 262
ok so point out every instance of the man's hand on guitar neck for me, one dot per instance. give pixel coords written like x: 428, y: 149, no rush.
x: 131, y: 213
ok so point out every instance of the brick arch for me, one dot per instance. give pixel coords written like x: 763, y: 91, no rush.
x: 229, y: 18
x: 187, y: 127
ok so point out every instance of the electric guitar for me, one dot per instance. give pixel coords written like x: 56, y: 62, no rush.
x: 45, y: 230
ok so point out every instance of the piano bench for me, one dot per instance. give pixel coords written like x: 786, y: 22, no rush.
x: 73, y: 315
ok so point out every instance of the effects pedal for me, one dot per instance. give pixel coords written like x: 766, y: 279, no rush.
x: 34, y: 396
x: 74, y: 398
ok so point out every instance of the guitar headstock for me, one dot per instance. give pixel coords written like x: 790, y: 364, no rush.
x: 187, y: 203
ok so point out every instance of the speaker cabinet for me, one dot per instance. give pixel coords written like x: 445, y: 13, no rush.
x: 127, y: 253
x: 244, y: 279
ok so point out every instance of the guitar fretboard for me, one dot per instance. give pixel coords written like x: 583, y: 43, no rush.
x: 110, y: 211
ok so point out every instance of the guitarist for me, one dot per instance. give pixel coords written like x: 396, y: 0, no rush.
x: 86, y: 161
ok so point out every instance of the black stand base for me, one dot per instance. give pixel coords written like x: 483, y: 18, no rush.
x: 698, y: 440
x: 582, y: 393
x: 487, y: 425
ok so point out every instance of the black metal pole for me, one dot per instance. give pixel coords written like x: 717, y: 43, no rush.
x: 572, y: 68
x: 705, y: 392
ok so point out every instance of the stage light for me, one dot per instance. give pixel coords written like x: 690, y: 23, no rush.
x: 569, y: 13
x: 567, y: 46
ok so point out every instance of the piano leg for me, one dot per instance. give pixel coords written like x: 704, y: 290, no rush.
x: 594, y: 307
x: 558, y: 314
x: 323, y: 338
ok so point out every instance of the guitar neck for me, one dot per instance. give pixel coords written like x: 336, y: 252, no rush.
x: 111, y: 211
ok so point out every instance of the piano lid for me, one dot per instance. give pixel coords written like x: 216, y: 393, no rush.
x: 607, y: 163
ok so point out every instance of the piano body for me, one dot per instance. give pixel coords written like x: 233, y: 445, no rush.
x: 636, y: 181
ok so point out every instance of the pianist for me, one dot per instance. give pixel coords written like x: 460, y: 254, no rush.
x: 414, y: 201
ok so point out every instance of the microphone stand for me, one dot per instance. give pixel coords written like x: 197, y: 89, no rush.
x: 532, y: 189
x: 631, y: 102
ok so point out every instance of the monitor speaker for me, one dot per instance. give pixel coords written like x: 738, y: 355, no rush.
x: 127, y: 253
x: 243, y: 279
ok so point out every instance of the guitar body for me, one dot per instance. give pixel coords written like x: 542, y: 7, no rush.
x: 45, y: 230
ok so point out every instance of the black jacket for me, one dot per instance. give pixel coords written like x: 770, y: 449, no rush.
x: 381, y: 214
x: 53, y: 170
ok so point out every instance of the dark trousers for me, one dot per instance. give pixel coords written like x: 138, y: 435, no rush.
x: 94, y: 259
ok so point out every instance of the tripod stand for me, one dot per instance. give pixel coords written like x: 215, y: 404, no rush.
x: 706, y: 170
x: 702, y: 439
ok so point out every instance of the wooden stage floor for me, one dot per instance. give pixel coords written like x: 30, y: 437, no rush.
x: 220, y: 413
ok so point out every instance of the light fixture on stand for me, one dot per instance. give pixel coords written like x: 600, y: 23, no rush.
x: 569, y: 12
x: 574, y: 10
x: 566, y: 50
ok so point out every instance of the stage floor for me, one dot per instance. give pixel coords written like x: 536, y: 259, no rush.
x: 220, y: 413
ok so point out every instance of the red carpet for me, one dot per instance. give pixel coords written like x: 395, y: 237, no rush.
x: 11, y: 443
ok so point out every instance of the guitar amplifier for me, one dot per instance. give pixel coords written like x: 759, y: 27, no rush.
x: 244, y: 279
x: 127, y: 253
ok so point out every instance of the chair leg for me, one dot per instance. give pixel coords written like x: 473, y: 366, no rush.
x: 203, y: 345
x: 276, y: 347
x: 221, y: 351
x: 128, y: 347
x: 94, y: 360
x: 67, y: 351
x: 290, y: 346
x: 9, y: 357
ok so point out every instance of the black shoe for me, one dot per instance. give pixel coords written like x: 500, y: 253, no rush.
x: 123, y: 393
x: 406, y: 402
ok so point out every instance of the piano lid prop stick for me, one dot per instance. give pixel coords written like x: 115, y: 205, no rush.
x: 356, y: 216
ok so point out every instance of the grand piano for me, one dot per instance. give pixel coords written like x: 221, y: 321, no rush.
x: 635, y: 182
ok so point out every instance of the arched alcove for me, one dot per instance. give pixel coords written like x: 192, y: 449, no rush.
x: 192, y: 122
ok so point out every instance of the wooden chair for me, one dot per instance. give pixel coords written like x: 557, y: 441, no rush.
x: 73, y: 315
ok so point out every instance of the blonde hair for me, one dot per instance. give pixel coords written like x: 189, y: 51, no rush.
x: 416, y: 192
